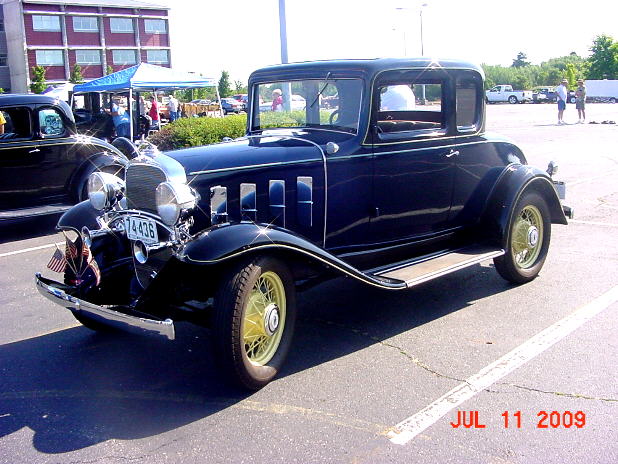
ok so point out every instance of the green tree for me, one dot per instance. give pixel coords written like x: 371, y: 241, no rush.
x: 225, y: 89
x: 520, y: 61
x: 571, y: 75
x: 604, y: 58
x: 109, y: 70
x: 76, y: 75
x: 240, y: 87
x: 38, y: 81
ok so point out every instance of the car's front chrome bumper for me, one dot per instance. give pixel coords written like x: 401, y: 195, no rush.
x: 116, y: 319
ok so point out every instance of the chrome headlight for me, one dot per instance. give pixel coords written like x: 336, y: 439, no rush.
x: 104, y: 189
x: 172, y: 199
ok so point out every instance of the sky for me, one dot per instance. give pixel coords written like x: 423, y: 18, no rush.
x: 239, y: 36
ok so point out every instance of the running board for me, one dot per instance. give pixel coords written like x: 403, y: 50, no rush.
x: 428, y: 268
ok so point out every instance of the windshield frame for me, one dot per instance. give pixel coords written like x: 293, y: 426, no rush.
x: 326, y: 127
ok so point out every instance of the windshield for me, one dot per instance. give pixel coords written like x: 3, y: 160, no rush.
x: 333, y: 104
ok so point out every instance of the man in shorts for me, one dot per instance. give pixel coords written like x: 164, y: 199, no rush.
x: 561, y: 92
x: 580, y: 101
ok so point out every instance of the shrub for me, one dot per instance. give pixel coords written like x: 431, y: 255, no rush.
x: 193, y: 132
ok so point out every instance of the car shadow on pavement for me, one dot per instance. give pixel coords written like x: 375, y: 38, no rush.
x: 76, y: 388
x: 28, y: 228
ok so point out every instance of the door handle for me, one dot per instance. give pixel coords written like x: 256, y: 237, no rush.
x: 36, y: 150
x: 452, y: 153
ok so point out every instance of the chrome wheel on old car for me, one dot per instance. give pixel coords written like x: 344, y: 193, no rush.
x: 254, y: 321
x: 528, y: 240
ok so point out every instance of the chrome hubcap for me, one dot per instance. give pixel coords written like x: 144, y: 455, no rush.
x: 533, y: 236
x: 271, y: 319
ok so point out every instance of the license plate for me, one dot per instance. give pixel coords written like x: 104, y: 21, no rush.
x: 143, y: 229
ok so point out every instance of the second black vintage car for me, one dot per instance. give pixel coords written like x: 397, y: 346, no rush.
x: 394, y: 182
x: 44, y: 163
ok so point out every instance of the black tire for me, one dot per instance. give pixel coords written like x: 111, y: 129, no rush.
x: 519, y: 265
x: 243, y: 366
x: 512, y: 99
x: 612, y: 100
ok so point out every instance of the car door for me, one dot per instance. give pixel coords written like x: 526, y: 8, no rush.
x: 413, y: 155
x: 58, y: 154
x: 493, y: 95
x: 21, y: 180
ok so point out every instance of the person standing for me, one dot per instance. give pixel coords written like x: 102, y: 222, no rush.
x: 561, y: 92
x: 277, y: 104
x: 580, y: 101
x: 154, y: 113
x: 173, y: 108
x: 120, y: 118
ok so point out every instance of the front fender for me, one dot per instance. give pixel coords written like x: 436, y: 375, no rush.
x: 80, y: 215
x: 227, y: 241
x: 516, y: 179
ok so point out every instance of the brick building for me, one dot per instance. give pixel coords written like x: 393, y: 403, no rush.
x: 95, y: 34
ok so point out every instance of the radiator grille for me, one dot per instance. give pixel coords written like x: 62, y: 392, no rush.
x: 141, y: 183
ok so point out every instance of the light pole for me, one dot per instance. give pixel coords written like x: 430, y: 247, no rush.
x: 283, y: 35
x: 421, y: 16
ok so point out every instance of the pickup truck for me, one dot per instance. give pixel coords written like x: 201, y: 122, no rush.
x: 505, y: 93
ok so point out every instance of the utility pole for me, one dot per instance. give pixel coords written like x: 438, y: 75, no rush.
x: 287, y: 87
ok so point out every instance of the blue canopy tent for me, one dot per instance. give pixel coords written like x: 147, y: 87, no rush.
x: 145, y: 77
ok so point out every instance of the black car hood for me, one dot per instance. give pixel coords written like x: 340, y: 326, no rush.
x: 246, y: 153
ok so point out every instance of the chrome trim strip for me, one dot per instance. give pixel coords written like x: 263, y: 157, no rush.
x: 253, y: 166
x: 107, y: 316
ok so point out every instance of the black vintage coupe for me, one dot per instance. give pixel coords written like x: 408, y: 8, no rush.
x: 394, y: 182
x: 44, y: 163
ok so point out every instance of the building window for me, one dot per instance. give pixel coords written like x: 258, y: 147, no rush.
x: 1, y: 24
x: 121, y: 25
x: 3, y: 59
x: 46, y: 23
x: 49, y: 58
x: 157, y: 56
x: 85, y: 24
x: 88, y: 57
x: 124, y: 56
x: 155, y: 26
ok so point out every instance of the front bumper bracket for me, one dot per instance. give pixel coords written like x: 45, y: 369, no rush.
x: 126, y: 322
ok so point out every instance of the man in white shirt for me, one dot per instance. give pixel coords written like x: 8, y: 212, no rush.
x: 398, y: 98
x: 561, y: 92
x: 172, y: 106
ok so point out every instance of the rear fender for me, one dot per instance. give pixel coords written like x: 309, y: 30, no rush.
x: 225, y: 242
x: 516, y: 180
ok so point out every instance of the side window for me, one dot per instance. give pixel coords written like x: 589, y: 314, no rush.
x: 50, y: 122
x: 15, y: 124
x: 468, y: 93
x: 410, y: 108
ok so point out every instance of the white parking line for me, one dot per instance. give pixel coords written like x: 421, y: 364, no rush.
x: 593, y: 223
x: 26, y: 250
x: 409, y: 428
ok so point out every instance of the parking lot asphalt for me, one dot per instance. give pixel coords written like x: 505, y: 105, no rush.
x: 363, y: 360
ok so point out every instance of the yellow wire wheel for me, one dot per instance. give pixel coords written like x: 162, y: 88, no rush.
x: 527, y: 236
x: 255, y: 312
x: 527, y: 242
x: 263, y: 320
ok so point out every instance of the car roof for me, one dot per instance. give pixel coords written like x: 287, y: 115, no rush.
x: 27, y: 99
x: 362, y: 67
